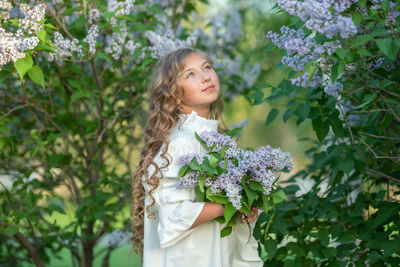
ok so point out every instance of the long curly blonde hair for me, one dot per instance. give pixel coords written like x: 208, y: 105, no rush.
x: 163, y: 114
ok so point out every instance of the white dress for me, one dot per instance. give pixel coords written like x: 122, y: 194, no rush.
x: 168, y: 241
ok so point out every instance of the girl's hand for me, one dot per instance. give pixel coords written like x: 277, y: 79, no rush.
x: 250, y: 217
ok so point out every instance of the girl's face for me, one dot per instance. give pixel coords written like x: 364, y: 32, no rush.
x: 198, y: 85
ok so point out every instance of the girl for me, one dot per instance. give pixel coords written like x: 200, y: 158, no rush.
x: 176, y: 229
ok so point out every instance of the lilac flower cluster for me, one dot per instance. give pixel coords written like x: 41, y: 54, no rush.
x: 65, y: 48
x: 323, y: 16
x: 14, y: 44
x: 259, y: 166
x: 303, y: 80
x: 187, y: 158
x: 190, y: 180
x: 161, y: 45
x: 334, y: 88
x: 216, y: 141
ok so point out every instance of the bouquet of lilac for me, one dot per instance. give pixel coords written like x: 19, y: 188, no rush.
x: 239, y: 179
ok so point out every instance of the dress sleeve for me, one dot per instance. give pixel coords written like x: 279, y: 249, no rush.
x: 177, y: 209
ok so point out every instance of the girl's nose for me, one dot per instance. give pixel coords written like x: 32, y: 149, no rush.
x: 206, y: 77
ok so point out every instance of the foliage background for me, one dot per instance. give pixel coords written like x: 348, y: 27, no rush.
x: 336, y: 213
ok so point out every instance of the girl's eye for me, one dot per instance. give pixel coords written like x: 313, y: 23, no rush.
x: 189, y: 75
x: 208, y: 66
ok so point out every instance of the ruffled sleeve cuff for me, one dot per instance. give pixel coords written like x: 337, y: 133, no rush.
x: 175, y: 221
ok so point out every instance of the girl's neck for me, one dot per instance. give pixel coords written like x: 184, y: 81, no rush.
x: 203, y: 112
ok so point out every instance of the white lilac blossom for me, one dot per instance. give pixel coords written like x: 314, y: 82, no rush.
x: 160, y: 45
x: 115, y: 43
x: 6, y: 6
x: 91, y: 38
x: 259, y: 166
x: 94, y: 15
x: 118, y: 236
x: 376, y: 63
x: 13, y: 46
x: 334, y: 88
x: 65, y: 48
x: 32, y: 16
x: 120, y: 8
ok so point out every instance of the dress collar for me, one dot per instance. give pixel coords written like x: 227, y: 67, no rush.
x: 197, y: 123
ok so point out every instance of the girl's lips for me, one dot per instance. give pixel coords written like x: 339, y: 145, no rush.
x: 208, y: 88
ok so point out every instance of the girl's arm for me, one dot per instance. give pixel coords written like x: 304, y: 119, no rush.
x: 210, y: 211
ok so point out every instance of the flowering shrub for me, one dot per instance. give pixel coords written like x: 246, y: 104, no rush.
x: 73, y: 79
x: 342, y: 60
x: 238, y: 178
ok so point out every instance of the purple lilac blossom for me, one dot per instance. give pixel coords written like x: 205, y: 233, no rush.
x: 303, y: 81
x: 217, y: 140
x: 190, y: 180
x: 334, y: 88
x: 323, y: 16
x: 260, y: 166
x: 187, y: 158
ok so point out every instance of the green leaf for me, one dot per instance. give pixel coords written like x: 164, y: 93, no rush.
x: 22, y: 65
x: 288, y: 113
x: 311, y: 72
x: 357, y: 18
x: 271, y: 116
x: 364, y: 52
x: 3, y: 75
x: 213, y: 161
x: 194, y: 165
x: 41, y: 35
x: 36, y: 75
x: 265, y: 203
x: 251, y: 195
x: 368, y: 99
x: 57, y: 208
x: 362, y: 3
x: 183, y: 170
x: 278, y: 196
x: 361, y: 40
x: 11, y: 230
x: 271, y: 248
x: 388, y: 47
x: 337, y: 71
x: 329, y: 252
x: 229, y: 211
x: 323, y: 236
x: 256, y: 186
x: 303, y: 110
x: 80, y: 94
x: 226, y: 231
x: 245, y: 207
x: 321, y: 128
x: 342, y: 52
x: 104, y: 56
x: 257, y: 96
x: 201, y: 183
x: 234, y: 132
x: 201, y: 141
x: 346, y: 165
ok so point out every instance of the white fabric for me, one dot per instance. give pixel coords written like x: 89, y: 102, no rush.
x: 168, y: 241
